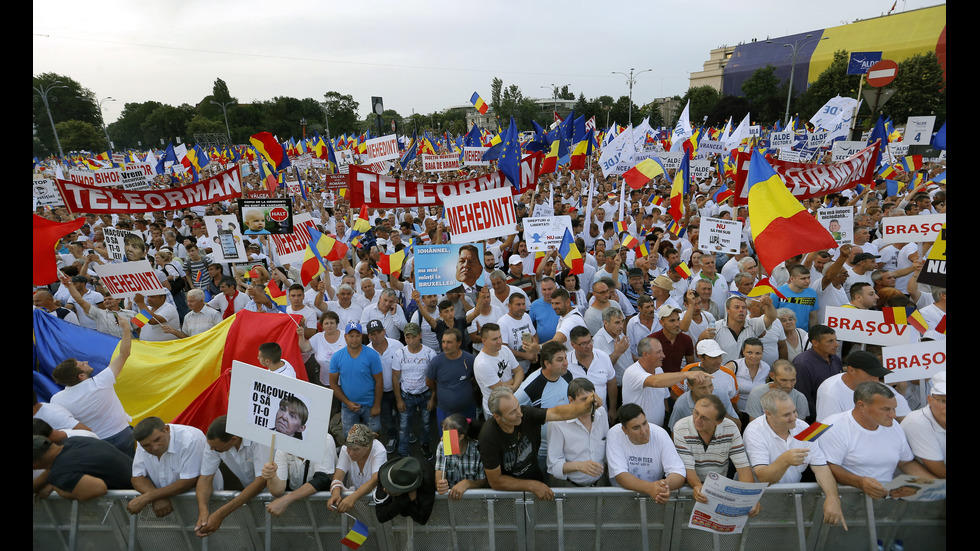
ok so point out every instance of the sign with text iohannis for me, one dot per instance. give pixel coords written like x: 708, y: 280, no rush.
x: 124, y: 280
x: 440, y: 269
x: 473, y: 156
x: 440, y: 163
x: 867, y: 326
x: 262, y: 403
x: 912, y: 229
x: 545, y: 233
x: 224, y: 238
x: 911, y: 362
x: 382, y: 149
x: 934, y: 271
x: 481, y: 215
x: 291, y: 247
x: 718, y: 235
x: 839, y: 221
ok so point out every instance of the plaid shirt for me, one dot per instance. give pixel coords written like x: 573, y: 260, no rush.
x: 463, y: 466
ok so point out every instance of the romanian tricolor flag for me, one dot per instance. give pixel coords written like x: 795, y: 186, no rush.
x: 582, y: 151
x: 905, y: 315
x: 362, y: 225
x: 320, y: 250
x: 357, y: 536
x: 643, y: 172
x: 570, y: 255
x: 141, y: 319
x: 781, y: 227
x: 812, y: 432
x: 266, y: 144
x: 621, y: 226
x: 911, y: 163
x: 538, y: 257
x: 722, y: 195
x: 630, y: 242
x: 676, y: 229
x: 276, y: 295
x: 888, y: 173
x: 550, y: 163
x: 391, y: 264
x: 680, y: 189
x: 450, y: 442
x: 683, y: 270
x: 764, y: 287
x: 478, y: 102
x: 643, y: 250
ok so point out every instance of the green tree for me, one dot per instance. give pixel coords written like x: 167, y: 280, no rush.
x: 128, y: 131
x: 168, y: 123
x: 729, y: 106
x: 220, y: 95
x: 341, y: 112
x: 80, y: 136
x: 920, y: 89
x: 703, y: 99
x: 199, y: 124
x: 765, y: 94
x: 832, y: 82
x: 68, y: 100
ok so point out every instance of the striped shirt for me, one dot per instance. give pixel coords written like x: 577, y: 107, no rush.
x: 711, y: 458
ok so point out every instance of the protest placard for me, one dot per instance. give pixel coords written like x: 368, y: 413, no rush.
x: 120, y: 242
x: 843, y: 149
x: 473, y: 156
x: 124, y: 280
x: 481, y: 215
x: 728, y: 506
x: 545, y: 233
x: 261, y: 402
x: 440, y: 163
x: 781, y: 140
x: 45, y: 193
x: 909, y: 229
x: 839, y: 221
x: 867, y: 326
x: 719, y: 235
x: 934, y: 271
x: 291, y: 247
x: 918, y: 130
x: 265, y: 216
x: 384, y: 148
x: 440, y: 269
x: 224, y: 239
x: 910, y: 362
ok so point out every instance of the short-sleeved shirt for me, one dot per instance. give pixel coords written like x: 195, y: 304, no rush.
x: 763, y: 446
x: 675, y: 353
x: 725, y: 445
x: 811, y: 371
x: 411, y: 367
x: 648, y: 462
x: 454, y: 382
x: 651, y: 399
x: 802, y: 304
x: 516, y: 453
x: 245, y: 462
x: 94, y: 402
x: 181, y: 461
x: 357, y: 374
x: 600, y: 372
x: 490, y: 370
x: 874, y: 453
x: 545, y: 319
x: 357, y: 476
x: 926, y: 438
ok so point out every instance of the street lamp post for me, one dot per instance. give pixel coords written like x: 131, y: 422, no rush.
x: 43, y: 92
x: 105, y: 129
x: 794, y: 56
x: 631, y: 80
x: 554, y: 93
x: 225, y: 113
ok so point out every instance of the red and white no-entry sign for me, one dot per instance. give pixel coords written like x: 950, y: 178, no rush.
x: 882, y: 73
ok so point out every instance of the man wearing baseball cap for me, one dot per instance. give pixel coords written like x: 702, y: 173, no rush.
x: 836, y: 393
x: 925, y: 429
x: 356, y: 380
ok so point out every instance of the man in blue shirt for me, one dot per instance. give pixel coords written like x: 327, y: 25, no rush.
x: 800, y: 298
x: 356, y: 380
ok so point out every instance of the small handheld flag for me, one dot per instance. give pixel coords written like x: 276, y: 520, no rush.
x: 812, y: 432
x: 764, y: 287
x: 141, y: 319
x: 357, y: 536
x: 450, y: 442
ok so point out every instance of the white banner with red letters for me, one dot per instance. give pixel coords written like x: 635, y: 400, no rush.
x: 473, y: 156
x: 440, y: 163
x: 125, y: 279
x: 867, y: 326
x: 912, y: 229
x: 807, y: 180
x: 91, y: 199
x: 912, y: 362
x: 291, y: 247
x: 384, y: 148
x: 481, y: 215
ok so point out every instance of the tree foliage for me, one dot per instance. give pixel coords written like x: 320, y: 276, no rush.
x: 832, y: 82
x: 765, y: 94
x: 703, y: 99
x: 80, y: 136
x: 921, y: 90
x: 342, y: 113
x: 68, y: 101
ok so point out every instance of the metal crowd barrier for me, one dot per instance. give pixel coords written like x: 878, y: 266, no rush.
x: 592, y: 519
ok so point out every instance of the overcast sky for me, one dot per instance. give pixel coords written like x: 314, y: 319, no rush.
x: 417, y: 55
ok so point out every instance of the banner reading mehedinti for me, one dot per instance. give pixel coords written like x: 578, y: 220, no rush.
x: 90, y: 199
x: 805, y: 180
x: 375, y: 190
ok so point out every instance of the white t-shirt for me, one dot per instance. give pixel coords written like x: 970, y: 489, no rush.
x: 648, y: 462
x: 763, y: 446
x: 649, y: 398
x: 94, y: 402
x: 926, y: 438
x: 512, y: 331
x: 356, y: 476
x: 865, y: 452
x: 490, y: 370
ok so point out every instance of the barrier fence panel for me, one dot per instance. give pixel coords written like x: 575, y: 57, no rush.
x: 579, y: 519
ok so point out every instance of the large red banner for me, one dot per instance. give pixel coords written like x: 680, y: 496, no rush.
x: 81, y: 198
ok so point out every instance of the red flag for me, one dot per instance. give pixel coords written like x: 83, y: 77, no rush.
x: 46, y: 236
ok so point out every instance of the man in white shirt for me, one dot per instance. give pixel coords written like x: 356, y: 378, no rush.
x: 865, y: 446
x: 777, y: 457
x: 270, y: 357
x: 161, y: 313
x: 646, y: 384
x: 167, y: 463
x: 495, y: 365
x: 297, y: 296
x: 926, y: 429
x: 642, y: 457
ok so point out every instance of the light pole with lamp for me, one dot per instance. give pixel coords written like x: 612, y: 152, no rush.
x: 631, y: 80
x: 224, y: 111
x: 794, y: 56
x: 43, y: 92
